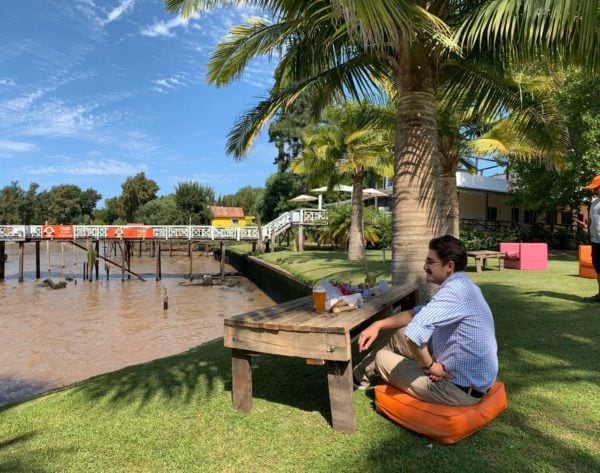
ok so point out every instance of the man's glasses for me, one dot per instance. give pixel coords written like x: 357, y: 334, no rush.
x: 431, y: 262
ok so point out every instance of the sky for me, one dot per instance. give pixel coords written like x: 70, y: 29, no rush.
x: 95, y: 91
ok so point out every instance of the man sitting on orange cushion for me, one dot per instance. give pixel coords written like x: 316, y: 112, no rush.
x: 444, y: 352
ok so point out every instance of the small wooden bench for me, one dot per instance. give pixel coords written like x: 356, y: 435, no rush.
x: 481, y: 256
x: 294, y: 329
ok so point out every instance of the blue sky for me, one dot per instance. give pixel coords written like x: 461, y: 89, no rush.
x: 95, y: 91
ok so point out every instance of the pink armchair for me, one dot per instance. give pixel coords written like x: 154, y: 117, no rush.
x: 525, y: 255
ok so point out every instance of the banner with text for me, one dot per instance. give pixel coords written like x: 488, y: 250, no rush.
x: 58, y: 231
x: 130, y: 232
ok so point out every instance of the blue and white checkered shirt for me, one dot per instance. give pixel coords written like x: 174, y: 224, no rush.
x: 459, y: 325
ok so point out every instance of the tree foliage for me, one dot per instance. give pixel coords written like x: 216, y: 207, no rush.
x: 64, y: 203
x: 160, y: 211
x: 193, y: 201
x: 279, y: 188
x: 544, y: 189
x: 286, y: 129
x: 136, y: 191
x: 247, y: 198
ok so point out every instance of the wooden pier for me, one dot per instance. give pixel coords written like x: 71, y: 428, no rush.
x: 121, y: 241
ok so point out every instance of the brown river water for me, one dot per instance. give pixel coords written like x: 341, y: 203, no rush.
x: 54, y: 337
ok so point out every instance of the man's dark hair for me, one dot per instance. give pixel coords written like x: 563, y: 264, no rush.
x: 448, y: 249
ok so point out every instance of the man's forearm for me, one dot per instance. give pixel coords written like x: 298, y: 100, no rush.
x: 420, y: 354
x: 395, y: 321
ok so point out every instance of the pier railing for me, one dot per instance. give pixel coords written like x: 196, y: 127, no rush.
x: 161, y: 232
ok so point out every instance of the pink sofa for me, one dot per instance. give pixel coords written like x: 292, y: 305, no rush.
x: 525, y: 255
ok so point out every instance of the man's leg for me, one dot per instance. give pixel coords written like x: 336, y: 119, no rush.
x: 397, y: 368
x: 366, y: 369
x: 596, y: 264
x: 404, y: 373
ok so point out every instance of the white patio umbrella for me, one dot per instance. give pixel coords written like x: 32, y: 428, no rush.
x: 303, y: 198
x: 370, y: 192
x: 338, y: 188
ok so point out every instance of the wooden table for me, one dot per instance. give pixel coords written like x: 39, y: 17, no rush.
x: 294, y: 329
x: 481, y: 256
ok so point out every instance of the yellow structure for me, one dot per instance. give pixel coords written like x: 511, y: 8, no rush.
x: 230, y: 217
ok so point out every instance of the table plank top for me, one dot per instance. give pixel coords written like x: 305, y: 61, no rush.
x: 298, y: 315
x: 490, y: 253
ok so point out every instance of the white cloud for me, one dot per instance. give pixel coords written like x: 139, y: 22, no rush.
x: 166, y: 84
x: 163, y: 28
x: 107, y: 167
x: 7, y: 82
x: 15, y: 146
x: 123, y: 7
x: 54, y: 118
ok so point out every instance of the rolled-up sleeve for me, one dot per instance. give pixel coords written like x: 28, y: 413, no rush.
x: 418, y: 333
x: 440, y: 311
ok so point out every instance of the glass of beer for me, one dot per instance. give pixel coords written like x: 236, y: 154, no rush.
x: 319, y: 296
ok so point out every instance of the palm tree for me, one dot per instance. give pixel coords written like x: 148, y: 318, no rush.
x: 531, y: 130
x: 335, y: 48
x: 346, y: 144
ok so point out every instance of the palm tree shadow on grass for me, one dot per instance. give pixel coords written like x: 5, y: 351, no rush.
x: 36, y: 461
x: 206, y: 371
x: 196, y: 372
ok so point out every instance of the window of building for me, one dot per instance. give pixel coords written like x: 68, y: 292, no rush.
x: 235, y: 221
x: 566, y: 218
x: 492, y: 213
x: 514, y: 215
x: 550, y: 218
x: 529, y: 216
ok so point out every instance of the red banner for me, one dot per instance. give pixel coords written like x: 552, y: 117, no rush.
x: 130, y: 232
x: 58, y: 231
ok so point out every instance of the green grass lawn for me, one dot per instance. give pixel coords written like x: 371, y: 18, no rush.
x: 175, y: 414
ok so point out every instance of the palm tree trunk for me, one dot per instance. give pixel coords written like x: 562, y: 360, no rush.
x: 449, y: 199
x: 356, y: 244
x: 415, y: 213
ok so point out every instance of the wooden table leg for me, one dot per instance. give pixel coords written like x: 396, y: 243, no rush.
x: 478, y: 264
x: 241, y: 379
x: 339, y: 377
x: 500, y: 264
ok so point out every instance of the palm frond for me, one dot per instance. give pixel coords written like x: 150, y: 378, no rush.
x: 243, y: 44
x: 566, y: 31
x: 386, y: 24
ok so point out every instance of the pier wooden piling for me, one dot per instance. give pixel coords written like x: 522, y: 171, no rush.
x: 158, y: 262
x: 37, y: 260
x: 21, y: 260
x: 2, y: 260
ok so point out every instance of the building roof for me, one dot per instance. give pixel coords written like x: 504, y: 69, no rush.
x: 220, y: 212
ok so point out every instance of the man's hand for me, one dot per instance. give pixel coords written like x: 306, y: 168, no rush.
x: 367, y: 337
x: 437, y: 372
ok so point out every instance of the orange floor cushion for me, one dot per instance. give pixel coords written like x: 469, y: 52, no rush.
x: 586, y: 268
x: 446, y: 424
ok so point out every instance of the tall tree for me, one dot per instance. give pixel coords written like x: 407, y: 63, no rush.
x: 136, y: 191
x: 160, y: 211
x: 286, y: 132
x: 345, y: 144
x: 193, y: 201
x: 67, y: 203
x: 335, y: 48
x: 12, y: 204
x: 246, y: 197
x: 279, y: 188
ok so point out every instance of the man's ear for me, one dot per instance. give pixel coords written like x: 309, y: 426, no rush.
x: 451, y: 267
